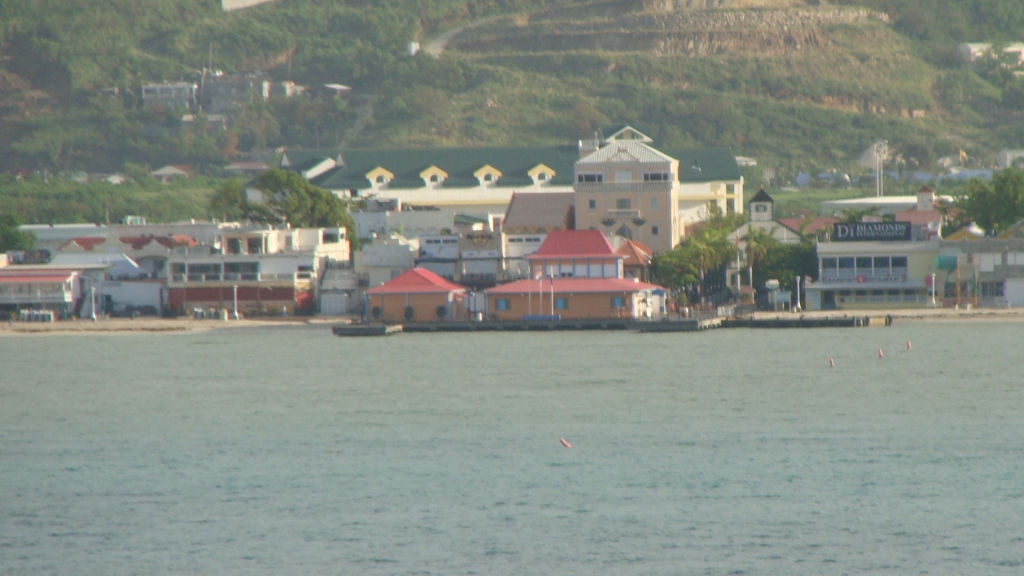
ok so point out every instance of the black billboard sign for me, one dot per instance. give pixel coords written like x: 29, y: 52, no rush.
x: 865, y: 231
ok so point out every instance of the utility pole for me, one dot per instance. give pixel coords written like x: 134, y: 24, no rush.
x: 881, y: 149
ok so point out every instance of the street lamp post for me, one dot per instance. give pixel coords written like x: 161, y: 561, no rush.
x: 234, y: 295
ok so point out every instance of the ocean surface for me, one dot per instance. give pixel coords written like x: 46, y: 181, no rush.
x: 290, y: 451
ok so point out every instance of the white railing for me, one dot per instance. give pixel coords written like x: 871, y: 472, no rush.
x: 33, y: 298
x: 239, y: 277
x: 664, y: 185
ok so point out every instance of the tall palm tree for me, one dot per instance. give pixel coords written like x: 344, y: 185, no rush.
x: 758, y: 243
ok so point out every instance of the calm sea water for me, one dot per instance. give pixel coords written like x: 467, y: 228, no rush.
x: 727, y: 452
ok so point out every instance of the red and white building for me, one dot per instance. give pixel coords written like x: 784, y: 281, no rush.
x: 575, y: 274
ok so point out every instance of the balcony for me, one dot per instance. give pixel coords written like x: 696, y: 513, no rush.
x: 639, y: 186
x: 856, y: 275
x: 623, y: 213
x: 25, y: 298
x: 239, y: 277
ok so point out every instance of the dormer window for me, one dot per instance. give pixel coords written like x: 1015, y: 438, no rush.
x: 379, y: 176
x: 433, y: 176
x: 487, y: 174
x: 541, y: 174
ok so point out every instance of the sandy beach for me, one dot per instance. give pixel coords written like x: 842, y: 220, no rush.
x: 157, y: 325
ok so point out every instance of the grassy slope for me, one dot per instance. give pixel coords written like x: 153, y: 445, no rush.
x: 803, y: 110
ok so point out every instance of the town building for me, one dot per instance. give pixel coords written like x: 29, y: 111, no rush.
x: 266, y: 270
x: 983, y: 271
x: 467, y: 180
x: 576, y: 274
x: 872, y: 265
x: 170, y: 95
x: 626, y: 187
x: 527, y: 222
x: 762, y: 218
x: 418, y: 295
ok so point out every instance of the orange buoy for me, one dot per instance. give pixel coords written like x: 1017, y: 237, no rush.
x: 832, y: 362
x: 565, y: 442
x: 909, y: 347
x: 880, y: 355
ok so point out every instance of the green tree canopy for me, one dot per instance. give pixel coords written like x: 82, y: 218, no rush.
x: 997, y: 205
x: 288, y: 198
x: 11, y: 238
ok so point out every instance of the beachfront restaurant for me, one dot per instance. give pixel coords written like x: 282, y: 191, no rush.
x: 859, y: 275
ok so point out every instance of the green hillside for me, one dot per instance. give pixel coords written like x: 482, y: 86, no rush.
x: 799, y: 87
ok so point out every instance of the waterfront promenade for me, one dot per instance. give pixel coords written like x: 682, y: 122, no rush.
x: 172, y: 325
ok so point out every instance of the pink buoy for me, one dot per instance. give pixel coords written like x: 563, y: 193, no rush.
x: 565, y: 442
x: 880, y: 355
x: 832, y: 362
x: 909, y: 347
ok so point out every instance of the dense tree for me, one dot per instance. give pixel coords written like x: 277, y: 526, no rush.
x: 997, y: 205
x: 11, y: 238
x: 288, y: 198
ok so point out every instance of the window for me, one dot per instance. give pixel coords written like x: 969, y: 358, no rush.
x: 846, y: 263
x: 561, y: 303
x: 899, y: 261
x: 730, y: 188
x: 654, y: 230
x: 618, y: 302
x: 863, y: 263
x: 502, y: 304
x: 991, y: 289
x: 590, y: 178
x: 881, y: 262
x: 488, y: 177
x: 760, y: 207
x: 592, y: 204
x: 622, y: 204
x: 657, y: 177
x: 435, y: 178
x: 542, y: 176
x: 828, y: 264
x: 654, y: 203
x: 381, y: 180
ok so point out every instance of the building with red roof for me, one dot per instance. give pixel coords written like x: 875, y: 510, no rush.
x: 576, y: 274
x: 638, y: 258
x: 418, y: 295
x: 576, y: 254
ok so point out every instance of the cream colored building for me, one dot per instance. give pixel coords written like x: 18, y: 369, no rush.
x: 630, y: 189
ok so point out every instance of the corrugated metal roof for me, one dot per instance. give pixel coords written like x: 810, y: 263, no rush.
x: 539, y: 210
x: 574, y: 286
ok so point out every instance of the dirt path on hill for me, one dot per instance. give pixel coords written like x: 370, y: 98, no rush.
x: 436, y: 46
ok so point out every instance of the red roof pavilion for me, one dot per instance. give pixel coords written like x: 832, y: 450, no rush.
x: 416, y: 281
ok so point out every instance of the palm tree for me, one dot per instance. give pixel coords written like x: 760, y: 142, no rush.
x: 758, y: 243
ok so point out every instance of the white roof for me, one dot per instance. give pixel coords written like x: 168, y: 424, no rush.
x: 625, y: 151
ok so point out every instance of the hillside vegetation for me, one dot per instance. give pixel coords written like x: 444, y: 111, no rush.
x: 799, y: 87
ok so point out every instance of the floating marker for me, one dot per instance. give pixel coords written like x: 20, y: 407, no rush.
x: 880, y: 355
x: 831, y: 362
x: 909, y: 347
x: 565, y: 442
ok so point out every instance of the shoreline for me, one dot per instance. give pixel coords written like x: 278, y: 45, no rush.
x: 151, y: 325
